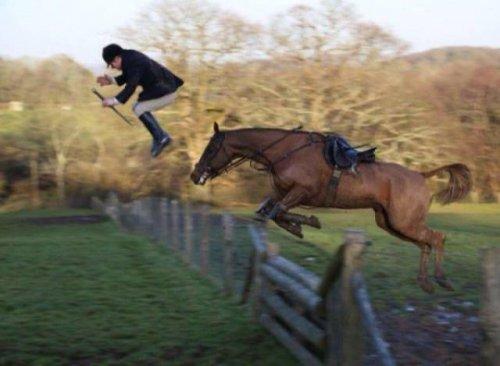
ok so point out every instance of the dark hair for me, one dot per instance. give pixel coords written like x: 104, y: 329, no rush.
x: 110, y: 52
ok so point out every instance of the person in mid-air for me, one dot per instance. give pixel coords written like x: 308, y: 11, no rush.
x: 159, y: 86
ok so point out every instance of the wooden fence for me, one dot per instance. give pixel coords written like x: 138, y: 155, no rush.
x: 320, y: 320
x: 324, y: 320
x: 490, y: 311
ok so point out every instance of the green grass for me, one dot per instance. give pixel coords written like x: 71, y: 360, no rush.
x: 89, y: 294
x: 391, y: 265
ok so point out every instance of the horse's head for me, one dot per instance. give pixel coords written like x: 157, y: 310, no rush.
x: 214, y: 159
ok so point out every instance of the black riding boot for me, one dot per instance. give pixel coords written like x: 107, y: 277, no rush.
x: 160, y: 138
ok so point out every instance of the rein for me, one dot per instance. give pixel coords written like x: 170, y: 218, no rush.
x: 260, y: 153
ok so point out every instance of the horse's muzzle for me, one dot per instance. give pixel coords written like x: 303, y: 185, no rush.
x: 200, y: 179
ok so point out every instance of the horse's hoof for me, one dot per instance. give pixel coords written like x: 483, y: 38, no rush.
x: 426, y: 285
x: 314, y: 222
x: 297, y: 232
x: 444, y: 283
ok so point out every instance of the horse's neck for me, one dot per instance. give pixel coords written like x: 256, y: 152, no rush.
x: 250, y: 143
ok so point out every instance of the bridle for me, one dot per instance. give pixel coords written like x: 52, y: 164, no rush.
x: 219, y: 138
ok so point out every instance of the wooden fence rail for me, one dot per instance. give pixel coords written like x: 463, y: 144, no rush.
x: 322, y: 321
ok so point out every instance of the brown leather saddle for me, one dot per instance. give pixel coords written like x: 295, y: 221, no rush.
x: 342, y: 156
x: 339, y: 153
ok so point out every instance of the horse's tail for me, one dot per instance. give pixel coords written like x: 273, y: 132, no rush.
x: 459, y: 185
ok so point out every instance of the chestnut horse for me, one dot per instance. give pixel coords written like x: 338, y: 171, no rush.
x: 301, y: 177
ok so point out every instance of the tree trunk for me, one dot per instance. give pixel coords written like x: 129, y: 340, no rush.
x: 60, y: 178
x: 34, y: 180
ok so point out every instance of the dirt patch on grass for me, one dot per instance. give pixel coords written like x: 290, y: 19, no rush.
x: 433, y: 336
x: 61, y: 220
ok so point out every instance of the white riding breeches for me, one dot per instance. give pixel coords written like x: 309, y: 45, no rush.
x: 153, y: 104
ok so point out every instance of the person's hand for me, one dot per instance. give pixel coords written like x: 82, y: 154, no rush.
x: 109, y: 102
x: 103, y: 80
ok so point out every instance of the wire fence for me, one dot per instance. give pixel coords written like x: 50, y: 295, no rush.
x: 222, y: 248
x: 216, y: 245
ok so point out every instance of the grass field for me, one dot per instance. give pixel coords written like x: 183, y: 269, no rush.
x: 391, y: 265
x: 87, y: 294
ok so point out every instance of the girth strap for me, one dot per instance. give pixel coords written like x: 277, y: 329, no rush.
x: 333, y: 184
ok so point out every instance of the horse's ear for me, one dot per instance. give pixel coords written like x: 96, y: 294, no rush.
x: 216, y: 127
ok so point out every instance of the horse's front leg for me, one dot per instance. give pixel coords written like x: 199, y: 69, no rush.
x: 279, y: 212
x: 276, y: 210
x: 263, y: 214
x: 265, y: 208
x: 292, y: 228
x: 301, y: 219
x: 292, y: 199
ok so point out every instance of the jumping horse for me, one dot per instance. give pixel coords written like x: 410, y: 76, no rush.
x: 302, y: 176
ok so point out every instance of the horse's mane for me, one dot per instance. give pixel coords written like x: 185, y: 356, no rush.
x: 297, y: 130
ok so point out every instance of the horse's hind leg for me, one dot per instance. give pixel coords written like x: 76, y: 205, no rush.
x: 423, y: 278
x: 383, y: 222
x: 434, y: 239
x: 439, y: 275
x: 419, y: 233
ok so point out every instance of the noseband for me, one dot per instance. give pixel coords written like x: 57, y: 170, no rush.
x: 218, y: 141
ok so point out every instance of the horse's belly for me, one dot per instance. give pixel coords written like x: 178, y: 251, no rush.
x: 359, y: 203
x: 360, y: 191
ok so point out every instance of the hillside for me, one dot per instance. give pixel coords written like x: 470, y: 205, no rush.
x: 446, y: 55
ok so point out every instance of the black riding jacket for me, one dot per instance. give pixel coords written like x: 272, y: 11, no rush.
x: 139, y: 70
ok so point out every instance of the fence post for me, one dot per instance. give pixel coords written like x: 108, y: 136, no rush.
x: 155, y: 209
x: 135, y: 215
x: 188, y: 234
x: 140, y: 215
x: 204, y: 250
x: 119, y: 213
x: 96, y: 204
x: 162, y: 217
x: 111, y: 206
x: 490, y: 315
x: 345, y: 341
x: 259, y: 240
x: 228, y: 279
x: 174, y: 209
x: 144, y: 216
x: 149, y: 217
x: 125, y: 215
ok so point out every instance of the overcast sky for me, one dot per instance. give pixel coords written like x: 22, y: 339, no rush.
x: 79, y: 28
